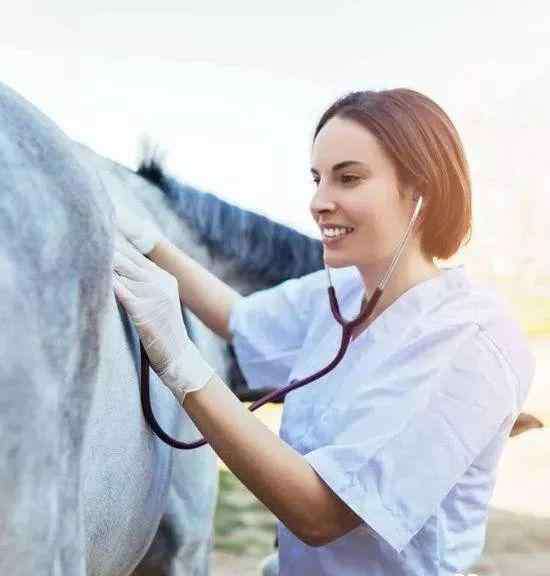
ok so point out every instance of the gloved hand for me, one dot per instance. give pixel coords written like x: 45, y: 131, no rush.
x: 142, y: 233
x: 150, y: 296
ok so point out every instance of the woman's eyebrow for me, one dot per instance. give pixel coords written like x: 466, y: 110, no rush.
x: 341, y: 165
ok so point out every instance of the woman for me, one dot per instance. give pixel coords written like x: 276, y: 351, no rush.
x: 386, y: 464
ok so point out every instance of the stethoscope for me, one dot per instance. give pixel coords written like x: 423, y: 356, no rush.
x: 347, y: 330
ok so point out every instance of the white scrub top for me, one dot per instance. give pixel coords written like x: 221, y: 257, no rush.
x: 407, y: 430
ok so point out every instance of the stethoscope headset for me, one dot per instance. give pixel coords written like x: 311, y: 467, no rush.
x: 347, y: 331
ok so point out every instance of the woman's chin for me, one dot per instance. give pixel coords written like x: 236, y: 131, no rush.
x: 333, y: 260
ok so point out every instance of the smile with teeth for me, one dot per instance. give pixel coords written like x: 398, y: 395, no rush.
x: 336, y: 233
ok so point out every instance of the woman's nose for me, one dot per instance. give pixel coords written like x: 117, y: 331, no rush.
x: 321, y: 202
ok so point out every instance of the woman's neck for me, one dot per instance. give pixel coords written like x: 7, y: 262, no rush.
x: 411, y: 269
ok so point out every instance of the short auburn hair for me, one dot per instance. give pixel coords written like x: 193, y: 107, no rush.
x: 427, y: 153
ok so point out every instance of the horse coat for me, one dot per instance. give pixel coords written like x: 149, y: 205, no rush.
x: 85, y: 485
x: 262, y: 253
x: 84, y: 482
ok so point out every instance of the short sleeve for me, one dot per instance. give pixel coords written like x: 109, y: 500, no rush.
x: 268, y: 328
x: 395, y: 482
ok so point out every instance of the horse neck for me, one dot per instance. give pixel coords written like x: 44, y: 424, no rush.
x: 129, y: 191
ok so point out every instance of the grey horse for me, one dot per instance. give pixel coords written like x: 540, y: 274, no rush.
x: 85, y: 487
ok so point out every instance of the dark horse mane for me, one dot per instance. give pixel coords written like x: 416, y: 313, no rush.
x: 262, y: 249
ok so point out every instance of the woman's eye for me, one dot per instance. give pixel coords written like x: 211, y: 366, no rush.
x: 346, y: 178
x: 349, y: 178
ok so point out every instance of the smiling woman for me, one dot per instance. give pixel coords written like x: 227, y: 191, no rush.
x: 386, y: 464
x: 403, y: 135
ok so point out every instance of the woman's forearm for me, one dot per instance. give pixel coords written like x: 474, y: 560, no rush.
x: 202, y: 292
x: 272, y: 470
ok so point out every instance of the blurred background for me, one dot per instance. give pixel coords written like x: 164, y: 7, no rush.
x: 231, y: 92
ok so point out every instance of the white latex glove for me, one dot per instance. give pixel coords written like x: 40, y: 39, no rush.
x: 151, y: 298
x: 142, y: 233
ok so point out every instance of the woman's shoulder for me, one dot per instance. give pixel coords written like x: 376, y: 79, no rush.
x: 471, y: 303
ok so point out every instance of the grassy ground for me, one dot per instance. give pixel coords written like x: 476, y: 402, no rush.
x: 242, y: 524
x: 244, y: 528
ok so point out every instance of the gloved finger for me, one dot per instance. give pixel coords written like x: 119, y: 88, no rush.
x: 121, y: 291
x: 144, y: 290
x: 142, y: 309
x: 122, y: 244
x: 132, y: 253
x: 148, y: 298
x: 126, y: 267
x: 132, y: 306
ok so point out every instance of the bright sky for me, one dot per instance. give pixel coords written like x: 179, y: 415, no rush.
x: 231, y: 91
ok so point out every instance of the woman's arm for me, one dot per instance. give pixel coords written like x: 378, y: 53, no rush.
x: 277, y: 474
x: 273, y: 471
x: 204, y: 294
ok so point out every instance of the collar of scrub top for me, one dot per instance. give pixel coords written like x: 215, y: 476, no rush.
x: 347, y: 329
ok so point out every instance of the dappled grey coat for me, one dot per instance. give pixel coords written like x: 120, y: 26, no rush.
x: 84, y: 484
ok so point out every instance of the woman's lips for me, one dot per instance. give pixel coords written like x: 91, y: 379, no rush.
x: 331, y: 241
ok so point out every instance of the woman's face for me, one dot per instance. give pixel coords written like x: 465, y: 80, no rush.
x: 362, y: 195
